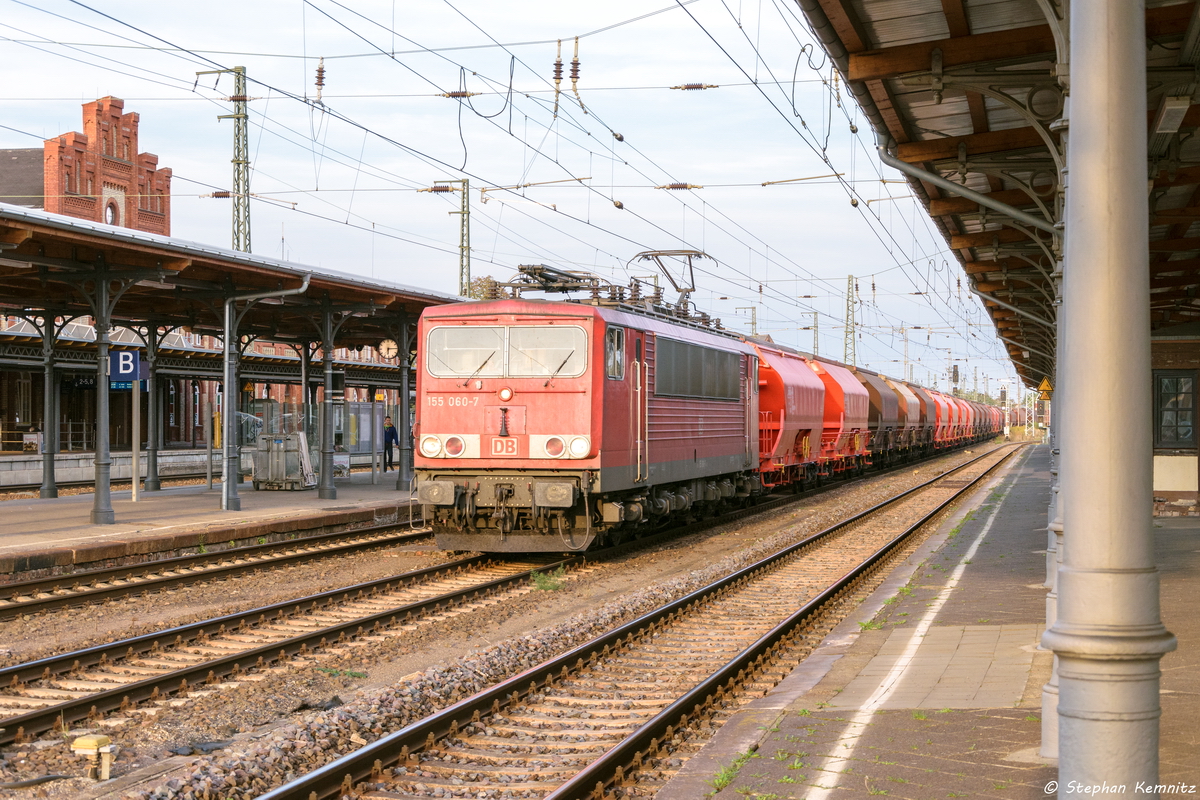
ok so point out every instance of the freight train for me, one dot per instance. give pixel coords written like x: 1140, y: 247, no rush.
x: 547, y: 426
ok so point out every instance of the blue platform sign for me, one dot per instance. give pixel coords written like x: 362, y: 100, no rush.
x: 125, y: 366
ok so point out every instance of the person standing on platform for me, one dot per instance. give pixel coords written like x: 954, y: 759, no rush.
x: 390, y: 437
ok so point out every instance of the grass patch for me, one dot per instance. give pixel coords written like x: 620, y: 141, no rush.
x: 870, y: 625
x: 726, y: 775
x: 919, y: 714
x: 548, y: 581
x: 338, y: 673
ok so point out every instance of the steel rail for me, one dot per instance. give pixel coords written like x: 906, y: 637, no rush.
x: 367, y: 763
x: 182, y: 634
x: 40, y: 586
x: 602, y: 772
x: 127, y: 696
x: 210, y: 566
x: 154, y: 688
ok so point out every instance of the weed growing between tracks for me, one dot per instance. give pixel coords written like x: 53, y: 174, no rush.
x: 548, y: 581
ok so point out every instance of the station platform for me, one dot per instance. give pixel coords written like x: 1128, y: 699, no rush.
x: 52, y: 536
x: 932, y: 689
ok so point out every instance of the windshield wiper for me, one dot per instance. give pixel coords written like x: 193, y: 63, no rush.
x: 558, y: 369
x: 477, y: 369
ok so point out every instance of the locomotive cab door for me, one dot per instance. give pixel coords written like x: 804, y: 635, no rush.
x: 639, y: 419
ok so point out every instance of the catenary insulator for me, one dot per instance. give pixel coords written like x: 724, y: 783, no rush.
x: 460, y: 93
x: 679, y: 186
x: 692, y: 87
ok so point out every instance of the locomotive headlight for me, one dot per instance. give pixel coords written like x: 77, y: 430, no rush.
x: 580, y: 447
x: 506, y: 394
x: 555, y: 447
x: 431, y: 446
x: 454, y: 447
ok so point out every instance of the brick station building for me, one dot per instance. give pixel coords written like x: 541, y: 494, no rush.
x: 98, y: 175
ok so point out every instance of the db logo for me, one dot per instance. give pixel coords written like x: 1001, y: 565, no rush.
x: 502, y: 446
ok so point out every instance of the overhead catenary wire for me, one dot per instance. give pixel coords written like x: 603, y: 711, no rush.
x: 770, y: 257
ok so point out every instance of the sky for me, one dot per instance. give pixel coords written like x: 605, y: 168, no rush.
x: 336, y: 176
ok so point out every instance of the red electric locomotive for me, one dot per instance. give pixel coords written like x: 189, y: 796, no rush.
x: 555, y: 426
x: 542, y: 426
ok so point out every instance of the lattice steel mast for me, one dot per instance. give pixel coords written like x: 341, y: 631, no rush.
x: 464, y: 231
x: 849, y: 354
x: 241, y: 157
x: 464, y: 240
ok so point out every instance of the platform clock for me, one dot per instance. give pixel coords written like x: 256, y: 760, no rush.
x: 388, y: 348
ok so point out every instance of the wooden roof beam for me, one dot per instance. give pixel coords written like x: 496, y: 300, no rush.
x: 988, y: 286
x: 1177, y: 280
x: 1014, y: 266
x: 961, y: 205
x: 1183, y: 265
x: 1016, y: 43
x: 1175, y: 245
x: 1173, y: 216
x: 15, y: 236
x: 976, y: 143
x: 986, y: 238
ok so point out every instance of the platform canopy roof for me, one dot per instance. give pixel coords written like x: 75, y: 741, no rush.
x: 50, y: 263
x: 972, y: 91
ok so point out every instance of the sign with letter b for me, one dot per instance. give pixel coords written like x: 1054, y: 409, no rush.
x: 126, y: 365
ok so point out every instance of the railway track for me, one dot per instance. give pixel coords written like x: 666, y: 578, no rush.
x: 130, y: 676
x: 623, y: 711
x: 61, y: 591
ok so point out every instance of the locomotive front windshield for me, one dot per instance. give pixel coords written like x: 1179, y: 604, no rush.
x: 544, y: 351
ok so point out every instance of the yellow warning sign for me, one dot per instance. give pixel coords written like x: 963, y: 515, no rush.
x: 1045, y: 386
x: 1044, y: 395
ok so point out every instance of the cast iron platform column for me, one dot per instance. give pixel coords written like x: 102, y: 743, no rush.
x: 404, y: 471
x: 326, y: 489
x: 102, y: 510
x: 154, y: 413
x: 1108, y: 635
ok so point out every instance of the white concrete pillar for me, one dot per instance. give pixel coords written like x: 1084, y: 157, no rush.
x: 1108, y: 636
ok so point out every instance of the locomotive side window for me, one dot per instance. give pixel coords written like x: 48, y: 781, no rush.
x: 688, y: 370
x: 546, y: 352
x: 614, y: 353
x: 1174, y: 409
x: 466, y: 352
